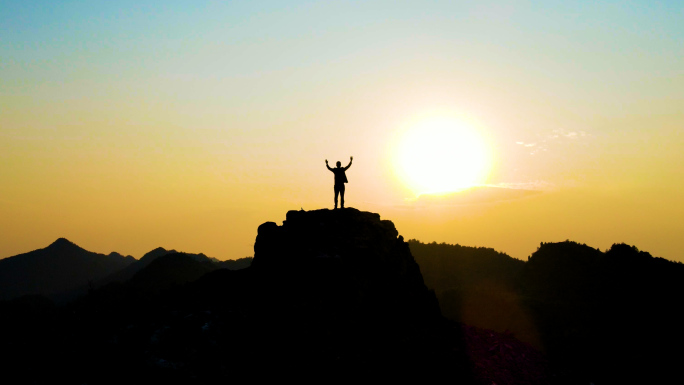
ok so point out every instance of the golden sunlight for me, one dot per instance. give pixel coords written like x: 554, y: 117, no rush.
x: 441, y: 155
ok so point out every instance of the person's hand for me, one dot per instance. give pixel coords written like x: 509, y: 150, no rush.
x: 351, y: 158
x: 326, y: 161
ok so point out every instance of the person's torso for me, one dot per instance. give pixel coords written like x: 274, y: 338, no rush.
x: 340, y: 176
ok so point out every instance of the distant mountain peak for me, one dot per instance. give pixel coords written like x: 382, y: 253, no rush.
x: 156, y: 253
x: 63, y: 243
x: 59, y: 271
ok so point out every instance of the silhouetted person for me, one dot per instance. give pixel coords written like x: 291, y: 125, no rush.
x: 340, y: 179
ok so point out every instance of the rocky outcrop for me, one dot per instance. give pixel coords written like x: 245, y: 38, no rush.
x: 343, y: 259
x: 341, y: 290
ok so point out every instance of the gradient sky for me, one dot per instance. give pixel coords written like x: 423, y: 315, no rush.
x: 129, y: 125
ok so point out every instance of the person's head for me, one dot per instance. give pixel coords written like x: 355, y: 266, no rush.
x: 339, y: 164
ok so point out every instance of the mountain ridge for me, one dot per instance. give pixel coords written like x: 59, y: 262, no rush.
x: 56, y: 270
x: 340, y: 288
x: 64, y: 271
x: 337, y: 290
x: 593, y: 312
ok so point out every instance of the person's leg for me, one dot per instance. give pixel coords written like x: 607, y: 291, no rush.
x: 342, y: 196
x: 337, y: 191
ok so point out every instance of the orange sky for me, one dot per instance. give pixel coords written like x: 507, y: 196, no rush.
x: 124, y: 128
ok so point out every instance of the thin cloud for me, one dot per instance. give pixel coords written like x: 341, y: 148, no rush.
x: 557, y: 136
x: 533, y: 185
x: 478, y: 195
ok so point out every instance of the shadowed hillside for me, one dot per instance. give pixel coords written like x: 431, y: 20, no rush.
x: 445, y: 265
x: 603, y: 317
x: 161, y: 268
x: 129, y: 271
x: 476, y: 286
x: 61, y: 271
x: 340, y: 291
x: 329, y: 293
x: 612, y: 317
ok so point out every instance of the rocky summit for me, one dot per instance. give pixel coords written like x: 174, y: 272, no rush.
x: 345, y: 284
x: 344, y: 258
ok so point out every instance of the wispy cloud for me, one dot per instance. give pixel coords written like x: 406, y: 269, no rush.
x: 537, y: 185
x: 558, y: 135
x: 478, y: 195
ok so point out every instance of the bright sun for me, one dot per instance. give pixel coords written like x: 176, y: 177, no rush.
x: 442, y: 155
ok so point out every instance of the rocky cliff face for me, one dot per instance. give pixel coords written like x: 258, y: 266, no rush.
x: 347, y: 259
x: 343, y: 284
x: 349, y: 233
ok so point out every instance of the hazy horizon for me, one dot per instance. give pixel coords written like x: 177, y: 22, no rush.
x: 134, y: 125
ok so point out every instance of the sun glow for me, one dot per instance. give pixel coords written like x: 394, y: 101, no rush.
x: 442, y: 155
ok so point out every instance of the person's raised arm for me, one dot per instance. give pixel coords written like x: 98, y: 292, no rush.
x: 350, y: 162
x: 326, y: 165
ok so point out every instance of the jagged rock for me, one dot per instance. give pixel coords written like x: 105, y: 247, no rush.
x: 343, y: 258
x: 341, y: 289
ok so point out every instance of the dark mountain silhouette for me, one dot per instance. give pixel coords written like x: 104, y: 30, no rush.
x: 129, y: 271
x: 445, y: 266
x: 611, y: 317
x: 476, y: 286
x: 342, y: 286
x: 331, y: 295
x: 603, y: 317
x: 64, y: 271
x: 235, y: 264
x: 338, y: 292
x: 57, y: 271
x: 172, y: 269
